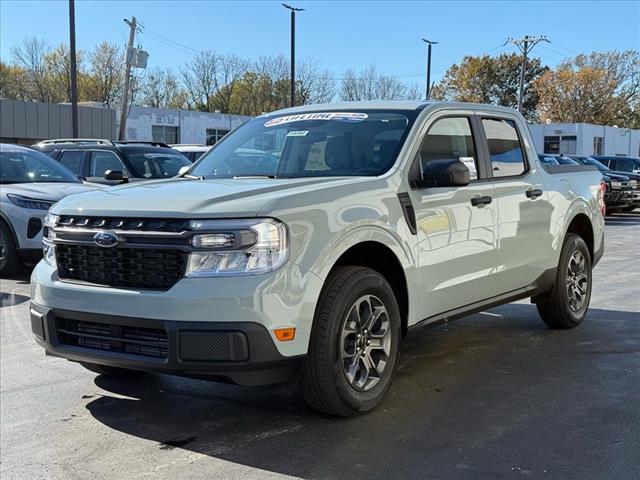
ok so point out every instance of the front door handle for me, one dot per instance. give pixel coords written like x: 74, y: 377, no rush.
x: 484, y: 200
x: 533, y: 193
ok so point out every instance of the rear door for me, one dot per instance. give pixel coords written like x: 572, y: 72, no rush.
x: 456, y: 235
x: 524, y: 213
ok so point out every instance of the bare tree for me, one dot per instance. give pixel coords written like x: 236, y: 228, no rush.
x: 31, y: 57
x: 161, y: 89
x: 199, y: 78
x: 104, y: 78
x: 369, y: 84
x: 230, y: 69
x: 314, y: 85
x: 58, y: 73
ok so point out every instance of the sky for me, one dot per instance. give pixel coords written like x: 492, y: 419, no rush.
x: 337, y: 35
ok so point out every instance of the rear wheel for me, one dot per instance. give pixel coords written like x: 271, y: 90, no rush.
x: 9, y: 261
x: 565, y: 306
x: 110, y: 371
x: 353, y: 350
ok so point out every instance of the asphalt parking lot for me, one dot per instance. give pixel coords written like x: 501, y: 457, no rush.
x: 495, y: 395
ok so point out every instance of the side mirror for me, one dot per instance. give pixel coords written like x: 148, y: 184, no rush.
x: 115, y: 176
x: 443, y: 173
x: 183, y: 170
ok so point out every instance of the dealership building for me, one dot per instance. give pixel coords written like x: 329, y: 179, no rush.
x: 585, y: 139
x: 27, y: 123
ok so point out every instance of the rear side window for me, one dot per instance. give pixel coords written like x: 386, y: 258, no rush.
x: 505, y: 149
x: 102, y: 161
x: 450, y: 138
x: 72, y: 159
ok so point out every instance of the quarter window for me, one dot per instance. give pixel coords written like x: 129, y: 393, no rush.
x: 505, y: 150
x: 450, y: 138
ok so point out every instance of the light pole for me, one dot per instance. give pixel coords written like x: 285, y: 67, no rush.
x: 293, y: 50
x: 74, y: 71
x: 429, y: 45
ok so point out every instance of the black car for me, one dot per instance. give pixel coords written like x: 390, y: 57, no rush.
x: 621, y: 164
x: 629, y: 183
x: 111, y: 163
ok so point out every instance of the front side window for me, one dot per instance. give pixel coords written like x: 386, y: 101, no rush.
x: 72, y: 159
x: 505, y: 150
x: 157, y: 164
x: 29, y: 166
x: 450, y: 138
x: 102, y: 161
x: 309, y: 145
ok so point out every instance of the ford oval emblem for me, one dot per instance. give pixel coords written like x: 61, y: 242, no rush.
x: 107, y: 239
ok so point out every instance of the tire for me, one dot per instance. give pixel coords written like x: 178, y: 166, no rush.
x: 9, y: 261
x: 564, y: 306
x: 109, y: 371
x: 333, y: 379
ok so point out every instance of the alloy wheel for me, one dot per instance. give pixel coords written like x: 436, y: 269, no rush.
x: 577, y: 282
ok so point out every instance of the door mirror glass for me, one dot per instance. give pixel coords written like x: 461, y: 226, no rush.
x: 444, y: 173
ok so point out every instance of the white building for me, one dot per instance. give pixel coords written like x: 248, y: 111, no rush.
x: 585, y: 139
x: 178, y: 126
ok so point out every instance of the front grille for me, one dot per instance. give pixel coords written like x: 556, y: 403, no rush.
x: 153, y: 269
x: 118, y: 223
x: 134, y: 340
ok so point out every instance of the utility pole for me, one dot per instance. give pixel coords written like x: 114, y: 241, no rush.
x: 525, y: 45
x: 127, y: 76
x: 293, y: 50
x: 429, y: 45
x: 74, y: 70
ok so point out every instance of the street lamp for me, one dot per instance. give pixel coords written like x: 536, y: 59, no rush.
x: 429, y: 44
x: 293, y: 50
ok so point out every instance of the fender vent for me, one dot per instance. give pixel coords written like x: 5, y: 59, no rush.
x: 409, y: 212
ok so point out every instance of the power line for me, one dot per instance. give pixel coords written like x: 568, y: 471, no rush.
x: 525, y: 44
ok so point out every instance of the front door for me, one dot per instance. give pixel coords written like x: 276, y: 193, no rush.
x: 456, y: 232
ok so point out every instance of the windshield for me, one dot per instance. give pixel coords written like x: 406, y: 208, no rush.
x: 157, y: 164
x: 323, y: 144
x: 29, y: 166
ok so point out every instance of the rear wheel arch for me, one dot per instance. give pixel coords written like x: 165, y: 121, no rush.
x: 581, y: 225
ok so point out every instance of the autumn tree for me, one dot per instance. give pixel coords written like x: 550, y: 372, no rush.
x: 601, y: 88
x: 104, y: 79
x: 492, y: 80
x: 13, y: 82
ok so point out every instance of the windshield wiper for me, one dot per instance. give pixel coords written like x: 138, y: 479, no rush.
x: 254, y: 176
x: 193, y: 177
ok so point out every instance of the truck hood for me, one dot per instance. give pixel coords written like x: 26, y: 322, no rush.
x: 48, y: 191
x: 184, y: 197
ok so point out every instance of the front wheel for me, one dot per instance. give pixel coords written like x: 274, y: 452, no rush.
x: 353, y: 349
x: 9, y: 261
x: 565, y: 306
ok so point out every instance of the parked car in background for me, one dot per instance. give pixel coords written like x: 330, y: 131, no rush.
x: 632, y: 180
x: 312, y: 253
x: 31, y: 183
x: 192, y: 151
x: 621, y: 164
x: 112, y: 163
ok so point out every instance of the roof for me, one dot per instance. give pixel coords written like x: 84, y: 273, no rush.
x: 386, y: 105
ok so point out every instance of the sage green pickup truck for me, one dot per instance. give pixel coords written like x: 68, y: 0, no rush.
x: 309, y: 241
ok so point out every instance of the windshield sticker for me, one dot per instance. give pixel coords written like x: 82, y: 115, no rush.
x: 297, y: 133
x: 339, y: 116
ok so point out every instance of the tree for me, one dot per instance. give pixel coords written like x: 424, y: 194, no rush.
x: 57, y: 64
x: 493, y: 80
x: 13, y: 82
x: 30, y: 56
x: 601, y: 88
x: 161, y: 89
x: 313, y: 84
x: 199, y: 78
x: 105, y: 76
x: 369, y: 84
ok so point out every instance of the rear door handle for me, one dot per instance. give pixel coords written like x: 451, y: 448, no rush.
x: 533, y: 193
x: 484, y: 200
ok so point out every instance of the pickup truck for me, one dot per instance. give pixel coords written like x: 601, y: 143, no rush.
x: 310, y: 259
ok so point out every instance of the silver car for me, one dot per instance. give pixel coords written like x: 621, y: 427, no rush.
x: 30, y: 182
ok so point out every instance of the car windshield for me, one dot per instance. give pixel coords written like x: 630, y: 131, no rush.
x: 157, y: 164
x: 29, y: 166
x: 322, y: 144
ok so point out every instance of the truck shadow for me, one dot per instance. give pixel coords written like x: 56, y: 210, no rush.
x: 481, y: 390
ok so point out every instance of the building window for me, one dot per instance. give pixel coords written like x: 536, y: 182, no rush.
x: 165, y: 134
x: 552, y: 145
x: 597, y: 145
x: 214, y: 135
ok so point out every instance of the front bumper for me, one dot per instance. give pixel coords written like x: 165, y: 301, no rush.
x: 239, y: 352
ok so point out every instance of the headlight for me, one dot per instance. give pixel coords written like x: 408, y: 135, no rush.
x: 633, y: 183
x: 32, y: 203
x: 48, y: 236
x: 616, y: 184
x: 237, y: 247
